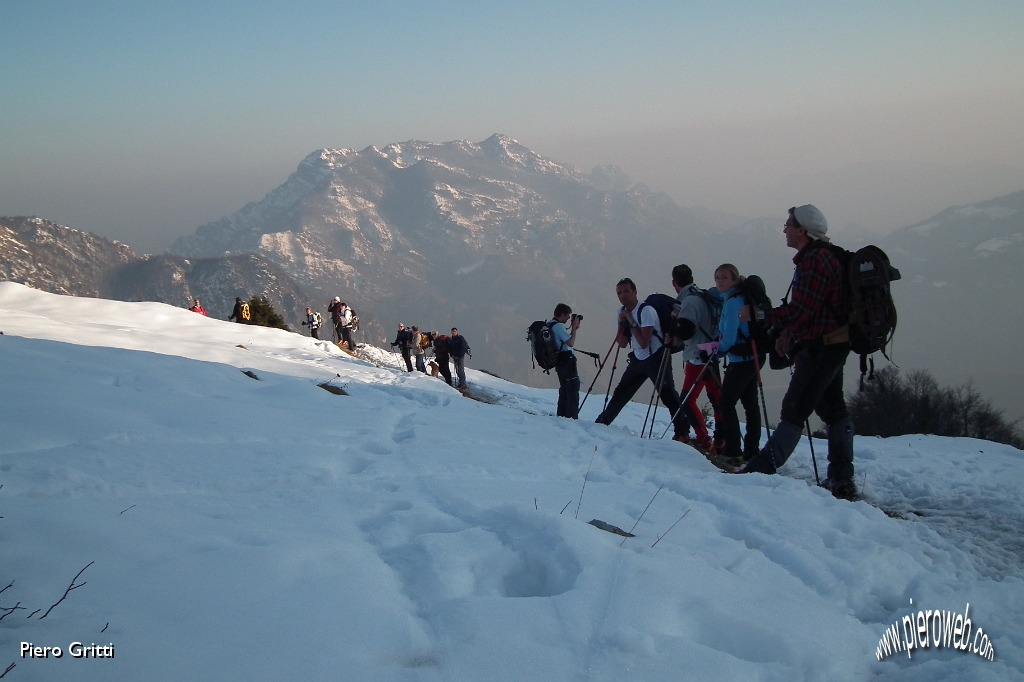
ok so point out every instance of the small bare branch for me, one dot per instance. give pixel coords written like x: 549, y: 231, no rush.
x: 105, y: 627
x: 33, y: 613
x: 644, y: 512
x: 9, y: 669
x: 72, y: 586
x: 670, y: 528
x: 11, y: 609
x: 5, y: 589
x: 124, y: 510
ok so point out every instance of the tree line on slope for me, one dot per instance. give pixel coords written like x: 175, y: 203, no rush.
x: 894, y: 405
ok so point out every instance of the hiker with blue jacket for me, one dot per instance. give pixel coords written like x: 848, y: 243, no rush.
x: 565, y: 360
x: 816, y: 336
x: 638, y: 325
x: 740, y: 381
x: 695, y: 326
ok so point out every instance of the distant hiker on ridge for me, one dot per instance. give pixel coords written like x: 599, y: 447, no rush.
x: 197, y: 308
x: 334, y: 308
x: 420, y: 342
x: 240, y: 313
x: 313, y: 321
x: 403, y: 339
x: 815, y: 333
x: 441, y: 356
x: 458, y: 349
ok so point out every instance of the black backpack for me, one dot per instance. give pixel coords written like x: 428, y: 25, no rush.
x: 872, y: 310
x: 354, y: 324
x: 754, y: 294
x: 543, y: 344
x: 663, y: 304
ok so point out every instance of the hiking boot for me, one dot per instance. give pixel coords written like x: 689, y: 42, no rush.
x: 719, y: 445
x: 841, y: 490
x: 736, y: 462
x: 706, y: 447
x: 684, y: 439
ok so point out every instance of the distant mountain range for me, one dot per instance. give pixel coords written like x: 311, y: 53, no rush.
x: 490, y: 236
x: 486, y: 237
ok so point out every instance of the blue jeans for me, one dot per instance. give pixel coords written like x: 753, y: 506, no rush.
x: 460, y: 369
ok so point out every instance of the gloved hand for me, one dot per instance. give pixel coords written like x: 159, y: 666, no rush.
x: 707, y: 350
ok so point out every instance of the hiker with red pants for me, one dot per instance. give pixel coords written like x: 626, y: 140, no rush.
x: 695, y: 326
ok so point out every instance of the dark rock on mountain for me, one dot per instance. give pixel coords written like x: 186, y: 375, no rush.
x: 58, y: 259
x: 62, y: 260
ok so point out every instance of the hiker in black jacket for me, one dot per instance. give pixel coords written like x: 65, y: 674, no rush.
x: 458, y: 349
x: 441, y: 356
x: 404, y: 342
x: 236, y: 312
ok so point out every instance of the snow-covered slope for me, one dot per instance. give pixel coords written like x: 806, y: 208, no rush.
x: 268, y: 529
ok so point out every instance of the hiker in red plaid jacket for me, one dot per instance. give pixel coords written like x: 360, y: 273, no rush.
x: 815, y: 334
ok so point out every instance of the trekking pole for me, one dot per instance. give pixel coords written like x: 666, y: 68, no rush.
x: 599, y: 369
x: 813, y: 459
x: 611, y: 377
x: 657, y: 383
x: 657, y: 389
x: 760, y: 386
x: 682, y: 403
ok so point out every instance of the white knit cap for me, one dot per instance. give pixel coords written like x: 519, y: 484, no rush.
x: 811, y: 219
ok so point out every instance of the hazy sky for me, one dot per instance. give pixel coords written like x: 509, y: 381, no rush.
x: 140, y: 121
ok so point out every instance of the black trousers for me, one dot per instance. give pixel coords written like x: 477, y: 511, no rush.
x: 443, y: 367
x: 637, y: 372
x: 817, y: 385
x: 740, y: 384
x: 346, y: 336
x: 407, y: 356
x: 568, y: 386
